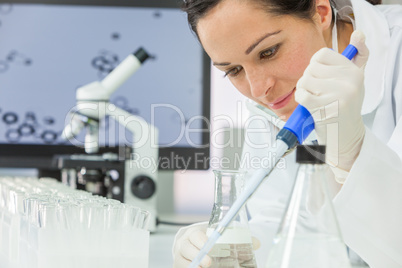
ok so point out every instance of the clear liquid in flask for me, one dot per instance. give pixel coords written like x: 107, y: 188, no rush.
x: 234, y: 249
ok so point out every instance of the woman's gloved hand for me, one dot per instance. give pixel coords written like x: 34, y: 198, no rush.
x: 189, y: 241
x: 332, y: 89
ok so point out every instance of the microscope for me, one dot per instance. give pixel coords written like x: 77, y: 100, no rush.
x: 128, y: 177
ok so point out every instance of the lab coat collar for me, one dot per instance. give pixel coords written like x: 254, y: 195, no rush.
x: 374, y: 25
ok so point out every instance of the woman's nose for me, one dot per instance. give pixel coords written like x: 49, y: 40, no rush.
x: 260, y: 83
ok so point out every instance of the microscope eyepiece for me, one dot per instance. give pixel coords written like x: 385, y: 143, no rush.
x: 141, y: 55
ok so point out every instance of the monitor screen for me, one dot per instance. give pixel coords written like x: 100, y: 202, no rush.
x: 49, y: 49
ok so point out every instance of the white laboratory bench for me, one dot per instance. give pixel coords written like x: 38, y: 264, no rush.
x: 160, y: 246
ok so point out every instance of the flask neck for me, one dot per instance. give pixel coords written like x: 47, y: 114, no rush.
x: 311, y: 187
x: 228, y: 185
x: 310, y: 204
x: 313, y: 169
x: 225, y: 190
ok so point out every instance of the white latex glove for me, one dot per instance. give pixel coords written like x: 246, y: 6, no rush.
x: 188, y: 243
x: 332, y: 89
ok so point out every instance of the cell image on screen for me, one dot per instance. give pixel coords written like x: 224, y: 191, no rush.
x: 48, y: 51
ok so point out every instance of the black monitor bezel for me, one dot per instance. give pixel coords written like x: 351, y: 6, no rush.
x: 41, y: 156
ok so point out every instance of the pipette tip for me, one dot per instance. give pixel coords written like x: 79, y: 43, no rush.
x: 205, y: 249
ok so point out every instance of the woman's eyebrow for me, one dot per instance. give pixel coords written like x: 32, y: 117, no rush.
x: 221, y: 63
x: 250, y: 48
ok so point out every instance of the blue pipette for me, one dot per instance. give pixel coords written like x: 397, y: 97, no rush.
x: 297, y: 128
x: 300, y: 123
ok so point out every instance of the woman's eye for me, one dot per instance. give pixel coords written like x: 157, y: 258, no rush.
x: 233, y: 72
x: 269, y: 53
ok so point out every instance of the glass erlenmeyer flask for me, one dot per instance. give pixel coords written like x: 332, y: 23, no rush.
x: 234, y: 248
x: 309, y: 234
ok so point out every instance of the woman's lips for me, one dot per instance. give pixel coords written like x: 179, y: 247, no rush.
x: 281, y: 101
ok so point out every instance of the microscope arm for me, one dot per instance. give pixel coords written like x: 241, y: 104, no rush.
x: 145, y: 134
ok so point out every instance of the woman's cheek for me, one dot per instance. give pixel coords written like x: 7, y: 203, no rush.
x: 241, y: 86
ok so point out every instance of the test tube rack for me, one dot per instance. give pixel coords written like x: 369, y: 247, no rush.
x: 46, y: 224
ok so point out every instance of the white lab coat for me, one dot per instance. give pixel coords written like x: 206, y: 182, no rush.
x: 369, y: 204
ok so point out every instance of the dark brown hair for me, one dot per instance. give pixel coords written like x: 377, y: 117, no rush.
x: 304, y: 9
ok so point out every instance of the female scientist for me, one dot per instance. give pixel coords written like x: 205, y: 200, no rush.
x: 277, y: 53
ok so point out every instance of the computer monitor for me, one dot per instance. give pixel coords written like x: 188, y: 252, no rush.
x: 50, y: 48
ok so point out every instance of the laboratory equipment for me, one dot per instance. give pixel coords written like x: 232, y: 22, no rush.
x: 234, y: 248
x: 93, y: 105
x: 46, y: 224
x: 141, y: 170
x: 98, y: 174
x: 296, y: 129
x: 309, y: 234
x: 64, y: 56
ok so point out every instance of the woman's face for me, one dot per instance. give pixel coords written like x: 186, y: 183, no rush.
x: 262, y: 55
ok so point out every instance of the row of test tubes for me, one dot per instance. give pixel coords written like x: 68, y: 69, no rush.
x: 47, y: 203
x: 36, y: 215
